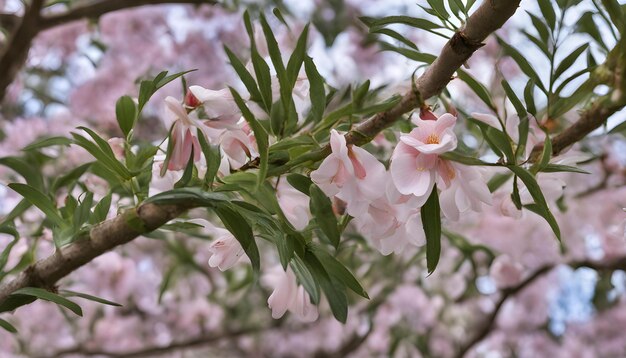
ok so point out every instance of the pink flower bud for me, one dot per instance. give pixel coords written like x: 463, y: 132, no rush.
x: 191, y: 101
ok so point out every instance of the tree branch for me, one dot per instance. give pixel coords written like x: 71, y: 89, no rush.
x: 97, y: 9
x: 159, y: 350
x: 489, y: 324
x: 102, y: 238
x: 15, y: 52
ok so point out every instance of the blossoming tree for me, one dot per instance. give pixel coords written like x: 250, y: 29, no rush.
x: 310, y: 179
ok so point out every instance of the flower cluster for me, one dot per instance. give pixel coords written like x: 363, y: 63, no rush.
x: 386, y: 204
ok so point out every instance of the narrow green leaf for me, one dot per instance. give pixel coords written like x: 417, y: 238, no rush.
x: 555, y: 168
x: 537, y: 195
x: 523, y: 63
x: 48, y: 142
x: 395, y: 35
x: 68, y: 293
x: 478, y: 88
x: 316, y: 92
x: 244, y: 75
x: 101, y: 210
x: 431, y: 222
x: 49, y: 296
x: 7, y: 326
x: 297, y: 57
x: 260, y: 134
x: 40, y: 200
x: 213, y: 160
x: 25, y: 169
x: 322, y: 210
x: 241, y: 230
x: 306, y: 279
x: 548, y: 12
x: 334, y: 292
x: 497, y: 181
x: 337, y: 270
x: 569, y: 60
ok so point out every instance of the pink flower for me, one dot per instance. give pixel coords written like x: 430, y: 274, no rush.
x: 288, y: 295
x: 184, y: 135
x: 351, y: 174
x: 467, y: 191
x: 391, y: 222
x: 415, y: 163
x: 294, y: 204
x: 219, y: 106
x: 238, y: 145
x: 226, y: 250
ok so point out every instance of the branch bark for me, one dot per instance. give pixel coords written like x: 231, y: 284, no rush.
x: 95, y: 10
x: 489, y: 324
x: 490, y: 16
x: 14, y: 54
x: 102, y: 238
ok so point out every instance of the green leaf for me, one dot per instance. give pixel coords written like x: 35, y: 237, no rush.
x: 40, y: 200
x: 31, y: 174
x: 541, y: 27
x: 241, y: 230
x: 333, y: 290
x: 48, y: 142
x: 478, y: 88
x: 316, y: 91
x: 523, y: 64
x: 188, y: 173
x: 244, y: 75
x: 395, y: 35
x: 409, y: 53
x: 306, y: 279
x: 460, y: 158
x: 548, y: 12
x: 587, y: 24
x: 300, y: 182
x: 529, y: 97
x: 101, y: 210
x: 49, y: 296
x: 7, y: 326
x: 405, y: 20
x: 555, y: 168
x: 188, y: 196
x: 213, y: 160
x: 102, y: 151
x: 497, y: 181
x: 431, y: 222
x: 537, y: 195
x: 68, y: 293
x: 322, y: 211
x: 546, y: 154
x: 126, y: 114
x: 297, y: 57
x: 4, y: 256
x: 569, y: 60
x: 260, y: 134
x: 337, y: 270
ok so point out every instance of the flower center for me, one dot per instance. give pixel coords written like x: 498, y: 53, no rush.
x: 432, y: 139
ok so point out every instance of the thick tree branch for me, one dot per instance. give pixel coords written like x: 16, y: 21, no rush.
x: 15, y: 52
x: 97, y: 9
x: 102, y: 238
x: 490, y: 16
x: 489, y: 324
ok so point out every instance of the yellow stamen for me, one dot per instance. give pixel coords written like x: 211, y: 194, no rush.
x: 432, y: 139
